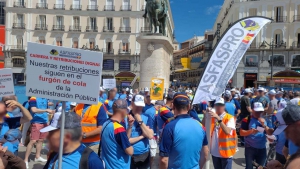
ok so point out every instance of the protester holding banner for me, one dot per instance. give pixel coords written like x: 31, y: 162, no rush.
x: 39, y: 110
x: 75, y: 154
x: 93, y: 117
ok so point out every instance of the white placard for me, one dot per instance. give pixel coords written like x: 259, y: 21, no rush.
x: 109, y: 83
x: 65, y: 74
x: 6, y: 83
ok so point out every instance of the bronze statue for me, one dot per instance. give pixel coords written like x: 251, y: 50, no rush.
x: 156, y: 12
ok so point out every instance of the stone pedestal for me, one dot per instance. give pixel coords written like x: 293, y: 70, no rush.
x: 155, y: 57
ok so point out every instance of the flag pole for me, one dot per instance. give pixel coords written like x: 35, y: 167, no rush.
x: 62, y: 135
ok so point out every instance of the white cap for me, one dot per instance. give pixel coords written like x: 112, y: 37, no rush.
x: 73, y: 104
x: 272, y: 92
x: 282, y: 125
x: 233, y: 90
x: 187, y: 91
x: 101, y: 89
x: 139, y: 100
x: 191, y: 91
x: 261, y: 89
x: 146, y: 89
x: 219, y: 100
x: 248, y: 90
x: 127, y: 89
x: 258, y: 106
x: 279, y: 92
x: 53, y: 124
x: 130, y: 91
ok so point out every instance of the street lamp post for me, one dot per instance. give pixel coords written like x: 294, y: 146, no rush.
x: 272, y: 44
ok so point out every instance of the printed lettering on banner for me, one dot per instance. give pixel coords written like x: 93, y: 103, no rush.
x: 109, y: 83
x: 6, y: 83
x: 64, y: 74
x: 227, y: 56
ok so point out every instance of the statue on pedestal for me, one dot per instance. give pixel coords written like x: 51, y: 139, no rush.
x: 156, y: 11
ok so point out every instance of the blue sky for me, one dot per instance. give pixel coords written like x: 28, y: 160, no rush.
x: 194, y: 16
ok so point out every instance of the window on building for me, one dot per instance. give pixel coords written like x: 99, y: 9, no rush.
x: 124, y: 65
x: 296, y: 60
x: 279, y: 14
x: 59, y: 42
x: 42, y: 40
x: 109, y: 24
x: 125, y: 22
x: 2, y: 13
x: 18, y: 78
x: 60, y: 20
x: 18, y: 62
x: 278, y: 60
x: 251, y: 61
x: 41, y: 22
x: 109, y: 47
x: 20, y: 19
x: 75, y: 43
x: 108, y: 64
x: 175, y: 47
x: 92, y: 44
x: 124, y: 46
x: 19, y: 43
x: 76, y: 22
x: 252, y: 12
x: 92, y: 23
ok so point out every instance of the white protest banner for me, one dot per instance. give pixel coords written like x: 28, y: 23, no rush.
x: 6, y: 83
x: 109, y: 83
x: 65, y: 74
x: 226, y: 56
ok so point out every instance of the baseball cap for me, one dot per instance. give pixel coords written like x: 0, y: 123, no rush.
x: 248, y: 90
x: 12, y: 136
x: 219, y: 101
x: 227, y: 94
x: 73, y: 104
x: 138, y: 100
x: 72, y: 120
x: 272, y: 92
x: 233, y: 90
x: 261, y: 89
x: 146, y: 89
x: 258, y: 106
x: 101, y: 89
x: 160, y: 103
x: 236, y: 96
x: 127, y: 89
x: 287, y: 116
x: 279, y: 92
x: 181, y: 99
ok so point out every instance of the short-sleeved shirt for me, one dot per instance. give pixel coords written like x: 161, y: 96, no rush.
x: 180, y: 145
x: 257, y: 140
x: 245, y: 102
x: 101, y: 118
x: 280, y: 142
x: 102, y: 98
x: 114, y: 143
x: 291, y: 147
x: 151, y: 112
x: 236, y: 103
x: 141, y: 146
x: 263, y: 100
x: 273, y: 104
x: 214, y: 148
x: 147, y: 106
x: 108, y: 104
x: 39, y: 103
x: 230, y: 108
x: 123, y: 96
x: 72, y: 160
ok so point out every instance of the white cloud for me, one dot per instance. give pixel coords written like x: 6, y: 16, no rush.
x: 213, y: 9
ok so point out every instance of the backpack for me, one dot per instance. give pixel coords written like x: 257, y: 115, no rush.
x: 84, y: 162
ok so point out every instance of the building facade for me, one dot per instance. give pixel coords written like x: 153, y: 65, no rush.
x: 2, y: 31
x: 283, y: 33
x: 108, y: 26
x: 190, y: 61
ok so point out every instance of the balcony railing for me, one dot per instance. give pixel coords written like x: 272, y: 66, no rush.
x: 251, y: 64
x: 296, y: 18
x: 18, y: 64
x: 143, y: 7
x: 58, y: 28
x: 16, y: 47
x: 20, y: 4
x: 145, y: 30
x: 59, y: 6
x: 75, y: 28
x: 109, y: 7
x: 91, y: 29
x: 18, y: 26
x: 41, y: 6
x: 125, y: 30
x: 41, y: 27
x: 126, y: 51
x: 296, y: 44
x: 92, y: 7
x: 108, y: 29
x: 125, y: 8
x: 279, y: 19
x: 108, y: 51
x: 76, y: 7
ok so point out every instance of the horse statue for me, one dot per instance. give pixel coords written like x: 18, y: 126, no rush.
x: 156, y: 12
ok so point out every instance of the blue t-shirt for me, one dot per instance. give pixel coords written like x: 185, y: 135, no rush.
x: 236, y: 103
x: 101, y: 118
x: 257, y: 140
x: 263, y: 100
x: 40, y: 103
x: 102, y: 98
x: 114, y: 143
x: 10, y: 123
x: 123, y: 96
x: 202, y: 106
x: 151, y: 112
x: 147, y: 106
x: 117, y: 96
x: 280, y: 143
x: 182, y: 140
x: 141, y: 146
x: 292, y: 147
x: 108, y: 104
x: 194, y: 115
x: 72, y: 160
x: 230, y: 108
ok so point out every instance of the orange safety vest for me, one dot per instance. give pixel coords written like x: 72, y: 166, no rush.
x: 227, y: 143
x: 89, y: 121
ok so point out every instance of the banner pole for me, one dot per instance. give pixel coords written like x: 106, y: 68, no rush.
x: 62, y: 135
